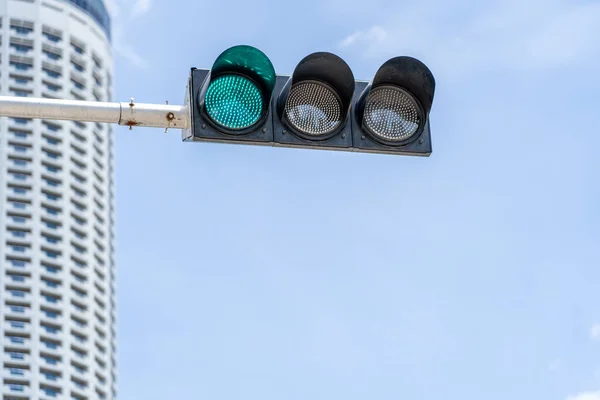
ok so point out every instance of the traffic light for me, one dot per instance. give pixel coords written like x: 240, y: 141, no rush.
x: 321, y: 105
x: 391, y: 114
x: 312, y: 106
x: 231, y: 102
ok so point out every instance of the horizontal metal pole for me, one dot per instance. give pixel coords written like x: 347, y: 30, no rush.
x: 128, y: 114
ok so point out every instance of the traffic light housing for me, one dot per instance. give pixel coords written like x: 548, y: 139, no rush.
x: 391, y: 113
x: 320, y: 106
x: 312, y: 106
x: 231, y: 102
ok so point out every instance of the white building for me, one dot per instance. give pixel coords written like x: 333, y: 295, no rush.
x: 57, y: 276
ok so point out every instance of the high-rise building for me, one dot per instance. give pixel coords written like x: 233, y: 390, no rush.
x: 57, y: 270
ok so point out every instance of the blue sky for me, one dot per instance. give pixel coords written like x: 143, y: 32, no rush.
x: 263, y: 273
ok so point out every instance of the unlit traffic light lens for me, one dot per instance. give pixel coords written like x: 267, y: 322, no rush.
x: 392, y: 114
x: 313, y: 109
x: 234, y: 102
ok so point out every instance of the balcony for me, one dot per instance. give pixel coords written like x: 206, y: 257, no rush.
x: 10, y: 357
x: 17, y: 390
x: 21, y: 252
x: 18, y: 207
x: 17, y: 311
x: 16, y: 342
x: 20, y: 374
x: 21, y: 69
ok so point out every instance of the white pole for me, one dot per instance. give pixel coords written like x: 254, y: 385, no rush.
x: 128, y: 114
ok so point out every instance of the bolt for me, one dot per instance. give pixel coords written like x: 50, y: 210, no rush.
x: 421, y: 141
x: 343, y: 135
x: 362, y: 137
x: 264, y: 130
x: 203, y: 126
x: 170, y: 116
x: 284, y: 131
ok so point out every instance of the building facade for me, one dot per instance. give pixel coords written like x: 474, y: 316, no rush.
x: 57, y: 270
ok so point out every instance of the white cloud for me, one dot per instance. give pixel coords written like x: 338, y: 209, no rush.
x: 375, y: 35
x: 127, y: 52
x: 511, y: 34
x: 595, y: 332
x: 120, y: 43
x: 585, y: 396
x: 141, y: 7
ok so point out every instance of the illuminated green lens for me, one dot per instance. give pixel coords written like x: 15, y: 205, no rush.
x: 234, y: 102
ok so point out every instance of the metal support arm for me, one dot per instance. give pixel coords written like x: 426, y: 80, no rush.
x: 128, y: 114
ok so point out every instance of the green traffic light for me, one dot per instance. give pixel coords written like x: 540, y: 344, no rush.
x: 240, y: 88
x: 234, y: 102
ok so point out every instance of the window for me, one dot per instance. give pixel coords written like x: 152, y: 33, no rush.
x: 22, y: 30
x: 51, y: 196
x: 16, y: 339
x: 77, y: 67
x: 17, y: 293
x: 50, y: 376
x: 17, y: 278
x: 78, y: 353
x: 78, y: 49
x: 50, y: 269
x: 50, y: 314
x: 50, y: 284
x: 51, y: 239
x: 21, y: 48
x: 18, y: 249
x: 21, y: 66
x: 51, y: 73
x: 51, y: 55
x: 52, y: 127
x: 50, y: 360
x: 20, y: 93
x: 19, y: 177
x: 17, y: 324
x: 51, y: 140
x: 51, y: 168
x: 19, y: 162
x: 19, y: 205
x: 50, y: 345
x: 17, y: 371
x: 17, y: 356
x: 20, y: 134
x: 18, y: 309
x: 52, y: 211
x: 51, y: 87
x: 78, y: 85
x: 49, y: 392
x: 51, y: 254
x: 51, y: 37
x: 22, y: 80
x: 20, y: 121
x: 50, y: 299
x: 19, y: 234
x: 51, y: 154
x: 17, y: 263
x: 19, y: 190
x: 49, y: 329
x: 19, y: 149
x: 16, y: 388
x: 51, y: 225
x: 80, y: 339
x: 19, y: 220
x: 51, y: 182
